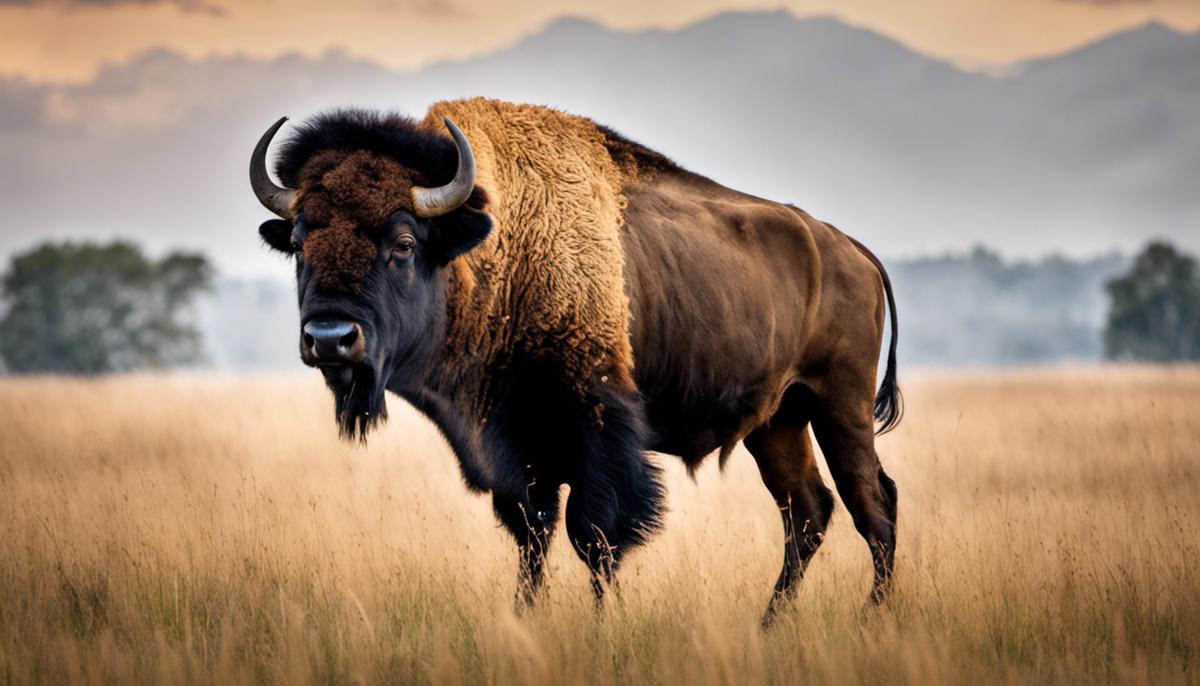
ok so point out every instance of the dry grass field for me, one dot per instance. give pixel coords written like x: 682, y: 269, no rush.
x: 190, y: 529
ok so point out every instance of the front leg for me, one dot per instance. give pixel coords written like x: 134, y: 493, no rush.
x: 531, y: 520
x: 545, y: 429
x: 617, y: 495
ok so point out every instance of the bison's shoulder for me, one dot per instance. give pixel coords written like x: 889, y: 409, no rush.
x: 549, y: 281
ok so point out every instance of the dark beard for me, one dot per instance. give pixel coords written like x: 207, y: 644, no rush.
x: 359, y: 402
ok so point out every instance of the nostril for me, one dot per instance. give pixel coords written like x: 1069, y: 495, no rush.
x: 349, y: 339
x: 309, y: 341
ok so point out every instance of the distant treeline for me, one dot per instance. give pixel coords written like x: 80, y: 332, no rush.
x: 89, y: 308
x: 83, y: 308
x: 977, y: 309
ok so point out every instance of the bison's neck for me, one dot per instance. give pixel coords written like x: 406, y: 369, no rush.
x: 463, y: 435
x: 547, y: 286
x: 472, y: 338
x: 441, y: 385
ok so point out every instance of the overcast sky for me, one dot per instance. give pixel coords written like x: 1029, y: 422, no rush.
x: 66, y: 40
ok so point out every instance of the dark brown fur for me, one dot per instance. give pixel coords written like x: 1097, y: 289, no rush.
x: 346, y: 199
x: 754, y: 321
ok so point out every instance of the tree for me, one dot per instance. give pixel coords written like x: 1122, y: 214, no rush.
x: 1154, y: 312
x: 84, y: 308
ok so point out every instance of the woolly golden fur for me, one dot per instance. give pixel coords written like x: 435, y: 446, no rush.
x: 551, y: 273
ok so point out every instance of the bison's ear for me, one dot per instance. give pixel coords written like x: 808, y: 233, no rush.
x: 458, y: 232
x: 277, y: 233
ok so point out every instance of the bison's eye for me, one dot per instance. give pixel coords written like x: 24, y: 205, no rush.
x: 299, y: 231
x: 404, y: 246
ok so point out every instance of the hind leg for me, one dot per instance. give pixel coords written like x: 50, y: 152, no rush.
x: 845, y: 428
x: 784, y: 453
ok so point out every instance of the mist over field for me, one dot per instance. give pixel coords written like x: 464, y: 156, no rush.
x: 957, y: 310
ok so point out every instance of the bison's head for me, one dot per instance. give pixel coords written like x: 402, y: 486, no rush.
x: 372, y: 210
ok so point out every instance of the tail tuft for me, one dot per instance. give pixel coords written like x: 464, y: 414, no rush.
x: 889, y: 401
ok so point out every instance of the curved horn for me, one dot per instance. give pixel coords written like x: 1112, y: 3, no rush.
x: 275, y: 198
x: 433, y: 202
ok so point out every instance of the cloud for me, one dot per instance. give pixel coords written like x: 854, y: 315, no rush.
x: 427, y: 8
x: 1109, y: 3
x: 201, y: 6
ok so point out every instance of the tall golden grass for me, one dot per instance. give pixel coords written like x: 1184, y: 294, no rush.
x: 188, y: 529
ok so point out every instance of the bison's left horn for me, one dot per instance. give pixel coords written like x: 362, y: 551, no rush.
x: 275, y: 198
x: 433, y: 202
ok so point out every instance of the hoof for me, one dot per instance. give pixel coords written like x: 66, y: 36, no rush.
x: 778, y: 601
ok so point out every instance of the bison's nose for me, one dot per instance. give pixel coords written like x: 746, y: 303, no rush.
x: 331, y: 341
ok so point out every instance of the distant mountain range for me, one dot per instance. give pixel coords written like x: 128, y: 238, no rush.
x: 1094, y: 150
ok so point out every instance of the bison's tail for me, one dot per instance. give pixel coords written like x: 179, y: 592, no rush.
x: 889, y: 402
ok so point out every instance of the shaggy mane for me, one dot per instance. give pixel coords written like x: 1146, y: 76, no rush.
x: 429, y: 153
x: 633, y: 157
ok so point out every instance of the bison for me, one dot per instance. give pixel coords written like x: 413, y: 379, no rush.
x: 559, y: 300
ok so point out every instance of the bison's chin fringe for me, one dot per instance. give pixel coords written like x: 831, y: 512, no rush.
x: 359, y: 406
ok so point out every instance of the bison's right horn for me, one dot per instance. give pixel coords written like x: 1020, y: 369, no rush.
x: 275, y: 198
x: 434, y: 202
